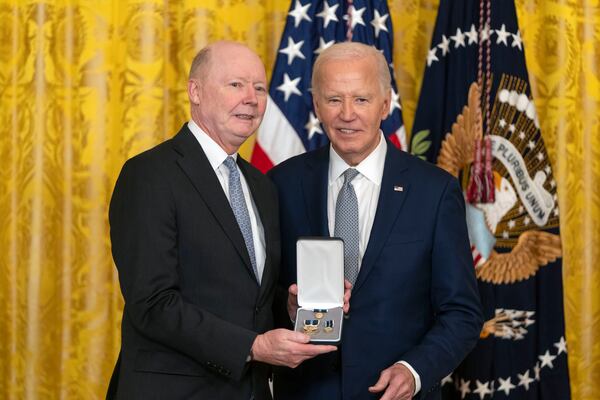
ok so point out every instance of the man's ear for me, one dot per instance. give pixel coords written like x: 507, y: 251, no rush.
x: 385, y: 110
x: 316, y: 107
x: 194, y: 91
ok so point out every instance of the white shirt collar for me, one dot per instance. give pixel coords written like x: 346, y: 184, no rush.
x: 215, y: 153
x: 371, y: 167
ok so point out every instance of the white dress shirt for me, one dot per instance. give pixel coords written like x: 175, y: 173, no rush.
x: 216, y: 156
x: 367, y: 185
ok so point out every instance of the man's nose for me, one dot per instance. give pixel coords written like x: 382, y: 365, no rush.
x: 347, y: 113
x: 250, y: 97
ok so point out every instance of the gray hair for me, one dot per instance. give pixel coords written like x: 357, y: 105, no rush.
x: 349, y: 51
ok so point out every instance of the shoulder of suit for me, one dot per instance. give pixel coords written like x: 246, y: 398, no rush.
x: 166, y: 149
x: 294, y: 165
x: 421, y: 167
x: 152, y: 163
x: 153, y: 153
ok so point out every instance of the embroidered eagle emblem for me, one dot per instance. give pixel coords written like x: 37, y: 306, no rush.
x: 525, y: 207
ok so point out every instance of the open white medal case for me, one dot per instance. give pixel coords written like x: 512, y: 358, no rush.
x: 320, y: 278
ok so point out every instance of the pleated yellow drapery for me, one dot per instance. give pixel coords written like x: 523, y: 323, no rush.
x: 84, y: 85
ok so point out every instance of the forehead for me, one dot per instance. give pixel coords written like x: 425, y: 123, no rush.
x: 359, y: 75
x: 236, y: 62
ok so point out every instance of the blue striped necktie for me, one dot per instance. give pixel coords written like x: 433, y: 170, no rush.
x: 240, y: 210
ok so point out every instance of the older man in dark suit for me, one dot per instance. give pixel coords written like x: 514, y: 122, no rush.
x: 195, y: 238
x: 414, y: 311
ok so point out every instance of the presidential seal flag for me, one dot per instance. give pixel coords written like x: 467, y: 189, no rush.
x: 476, y: 118
x: 290, y: 126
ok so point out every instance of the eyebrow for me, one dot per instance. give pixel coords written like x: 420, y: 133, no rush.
x: 246, y: 80
x: 348, y: 95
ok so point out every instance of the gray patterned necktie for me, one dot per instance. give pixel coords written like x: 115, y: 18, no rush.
x: 240, y: 210
x: 346, y: 224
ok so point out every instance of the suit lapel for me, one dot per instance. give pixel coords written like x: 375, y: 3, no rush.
x: 314, y: 187
x: 391, y: 198
x: 195, y: 165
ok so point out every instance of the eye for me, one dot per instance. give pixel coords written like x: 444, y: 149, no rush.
x: 361, y: 100
x: 260, y: 89
x: 236, y: 84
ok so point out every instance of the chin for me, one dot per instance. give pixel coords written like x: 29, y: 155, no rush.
x: 347, y: 148
x: 244, y: 134
x: 244, y: 127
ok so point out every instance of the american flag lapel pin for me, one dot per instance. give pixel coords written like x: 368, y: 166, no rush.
x: 398, y: 188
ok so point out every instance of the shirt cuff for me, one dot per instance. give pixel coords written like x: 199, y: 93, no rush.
x: 414, y: 374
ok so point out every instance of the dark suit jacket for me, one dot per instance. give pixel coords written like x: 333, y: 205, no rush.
x: 192, y: 303
x: 415, y: 298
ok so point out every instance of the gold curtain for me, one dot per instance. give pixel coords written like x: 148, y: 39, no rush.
x: 86, y: 84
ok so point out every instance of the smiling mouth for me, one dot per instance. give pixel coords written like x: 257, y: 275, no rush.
x: 347, y: 130
x: 245, y: 116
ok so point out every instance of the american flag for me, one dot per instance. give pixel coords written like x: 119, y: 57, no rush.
x: 290, y: 126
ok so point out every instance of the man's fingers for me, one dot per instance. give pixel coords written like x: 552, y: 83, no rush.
x: 297, y: 337
x: 293, y: 289
x: 346, y: 307
x: 285, y: 347
x: 395, y: 392
x: 299, y: 353
x: 390, y: 394
x: 316, y: 349
x: 397, y: 381
x: 292, y: 302
x: 381, y: 384
x: 301, y: 341
x: 347, y: 294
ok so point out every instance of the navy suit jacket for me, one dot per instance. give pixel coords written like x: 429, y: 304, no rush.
x: 415, y: 298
